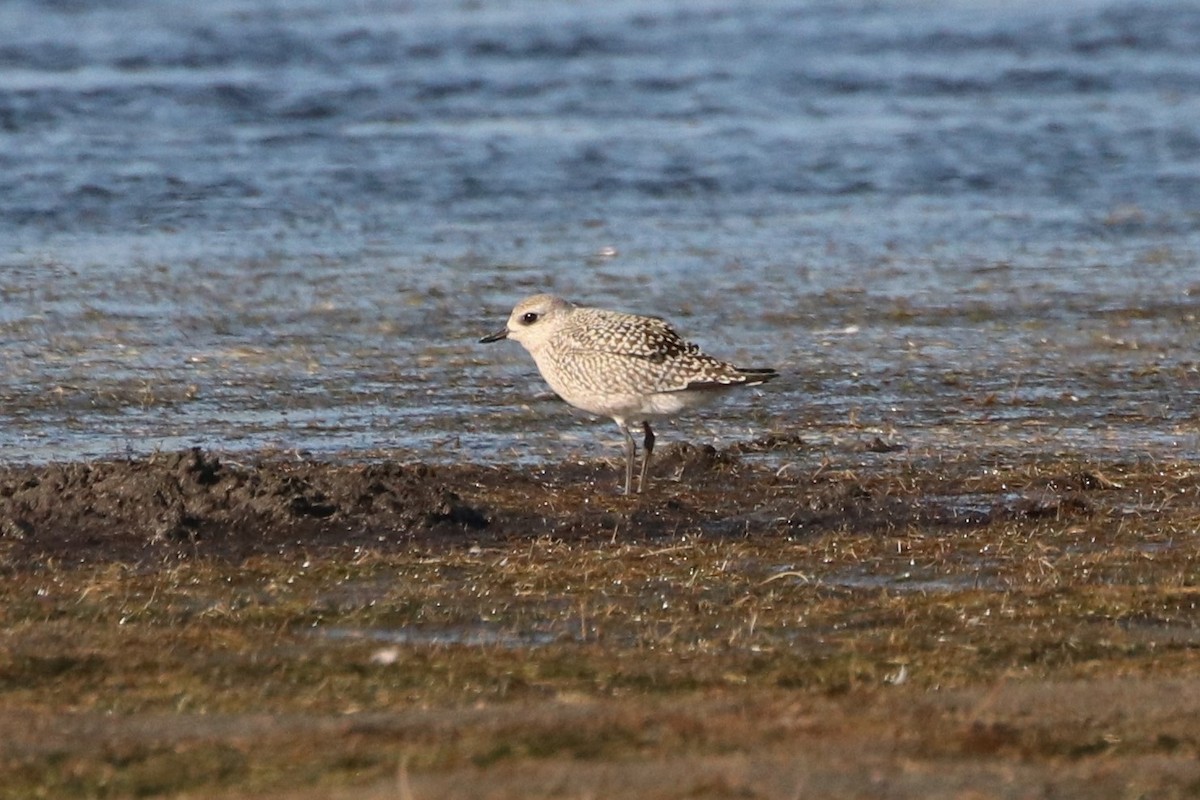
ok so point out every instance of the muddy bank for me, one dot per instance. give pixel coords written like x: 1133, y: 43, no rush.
x: 195, y: 502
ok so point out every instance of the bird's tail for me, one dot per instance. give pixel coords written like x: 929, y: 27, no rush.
x: 756, y: 375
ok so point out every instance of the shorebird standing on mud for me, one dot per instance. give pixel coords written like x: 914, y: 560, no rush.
x: 624, y: 366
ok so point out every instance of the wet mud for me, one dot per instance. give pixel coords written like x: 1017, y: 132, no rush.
x: 200, y: 503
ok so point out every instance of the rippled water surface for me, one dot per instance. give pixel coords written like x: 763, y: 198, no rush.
x: 251, y: 225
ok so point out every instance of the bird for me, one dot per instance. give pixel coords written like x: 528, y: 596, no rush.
x: 628, y: 367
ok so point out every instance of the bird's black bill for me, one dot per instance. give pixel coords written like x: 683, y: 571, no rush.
x: 495, y: 337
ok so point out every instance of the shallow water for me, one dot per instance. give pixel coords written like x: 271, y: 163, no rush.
x: 278, y: 226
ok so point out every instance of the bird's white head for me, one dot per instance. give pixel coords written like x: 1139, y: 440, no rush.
x: 534, y: 320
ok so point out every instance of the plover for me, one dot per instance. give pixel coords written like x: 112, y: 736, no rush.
x: 624, y: 366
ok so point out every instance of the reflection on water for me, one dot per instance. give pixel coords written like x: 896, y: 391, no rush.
x: 285, y: 226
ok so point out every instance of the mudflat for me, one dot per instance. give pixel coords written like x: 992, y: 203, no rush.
x: 920, y: 625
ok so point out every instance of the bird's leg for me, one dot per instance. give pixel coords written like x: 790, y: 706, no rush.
x: 630, y: 453
x: 649, y: 443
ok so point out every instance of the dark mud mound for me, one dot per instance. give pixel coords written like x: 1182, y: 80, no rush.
x: 692, y: 463
x: 194, y: 503
x: 197, y: 503
x: 195, y: 500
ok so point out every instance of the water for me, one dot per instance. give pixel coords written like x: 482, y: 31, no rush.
x: 283, y: 225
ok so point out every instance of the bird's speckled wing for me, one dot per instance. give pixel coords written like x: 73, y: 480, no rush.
x: 625, y: 334
x: 641, y: 354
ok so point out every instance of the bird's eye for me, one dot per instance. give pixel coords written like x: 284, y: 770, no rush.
x: 529, y: 317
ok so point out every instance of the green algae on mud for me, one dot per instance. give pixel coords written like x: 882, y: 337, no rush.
x: 188, y: 624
